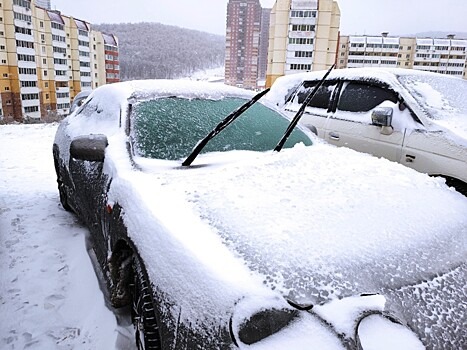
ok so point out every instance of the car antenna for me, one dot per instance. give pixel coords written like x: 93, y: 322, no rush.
x: 221, y: 126
x: 300, y: 112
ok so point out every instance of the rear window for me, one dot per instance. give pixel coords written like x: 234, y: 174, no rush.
x: 169, y: 128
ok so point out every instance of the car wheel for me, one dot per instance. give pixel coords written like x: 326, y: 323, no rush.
x: 63, y: 196
x: 143, y: 313
x: 61, y: 186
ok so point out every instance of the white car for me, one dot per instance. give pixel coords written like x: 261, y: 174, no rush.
x: 418, y: 119
x: 242, y: 247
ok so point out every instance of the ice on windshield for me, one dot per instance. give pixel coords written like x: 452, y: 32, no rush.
x: 442, y: 98
x: 169, y: 128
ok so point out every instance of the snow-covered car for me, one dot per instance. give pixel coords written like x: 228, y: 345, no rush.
x: 416, y: 118
x: 312, y: 247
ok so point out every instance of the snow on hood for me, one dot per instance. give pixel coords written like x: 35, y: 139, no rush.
x: 315, y: 223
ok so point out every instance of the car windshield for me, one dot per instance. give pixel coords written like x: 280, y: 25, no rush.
x: 441, y: 97
x: 169, y: 128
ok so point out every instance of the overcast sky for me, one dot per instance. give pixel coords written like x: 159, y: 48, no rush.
x: 398, y: 17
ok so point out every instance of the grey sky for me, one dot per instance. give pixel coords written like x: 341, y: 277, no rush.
x: 398, y: 17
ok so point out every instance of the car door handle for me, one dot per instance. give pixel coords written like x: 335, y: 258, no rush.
x: 334, y: 136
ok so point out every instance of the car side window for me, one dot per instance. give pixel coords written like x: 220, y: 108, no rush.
x: 322, y: 97
x: 361, y: 97
x: 87, y: 109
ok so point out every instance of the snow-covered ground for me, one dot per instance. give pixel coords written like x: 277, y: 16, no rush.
x: 49, y: 294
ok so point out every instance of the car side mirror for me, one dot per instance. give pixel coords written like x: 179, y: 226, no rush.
x: 89, y: 147
x: 382, y: 116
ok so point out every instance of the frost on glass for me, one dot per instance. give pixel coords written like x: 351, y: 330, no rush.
x: 170, y: 128
x: 441, y: 97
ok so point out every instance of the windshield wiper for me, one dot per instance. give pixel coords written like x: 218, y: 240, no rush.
x: 221, y: 126
x: 300, y: 112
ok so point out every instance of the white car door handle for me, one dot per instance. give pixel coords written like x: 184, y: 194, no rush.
x: 334, y: 136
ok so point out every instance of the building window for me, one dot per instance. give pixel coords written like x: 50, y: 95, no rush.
x: 301, y: 41
x: 31, y: 109
x: 303, y: 28
x: 302, y: 14
x: 5, y: 75
x: 28, y: 83
x: 22, y: 17
x: 46, y: 84
x: 27, y: 58
x: 41, y: 24
x: 27, y: 71
x: 296, y: 66
x: 45, y: 73
x: 26, y: 44
x: 47, y: 96
x: 22, y: 3
x: 303, y: 53
x: 4, y: 61
x: 58, y: 38
x: 22, y: 30
x: 26, y: 97
x: 44, y: 61
x: 63, y: 105
x: 56, y: 25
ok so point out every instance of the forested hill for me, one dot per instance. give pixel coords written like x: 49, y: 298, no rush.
x: 154, y: 50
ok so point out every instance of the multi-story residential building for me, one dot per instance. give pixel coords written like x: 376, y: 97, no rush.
x: 445, y: 56
x: 47, y: 58
x: 303, y: 37
x: 242, y: 43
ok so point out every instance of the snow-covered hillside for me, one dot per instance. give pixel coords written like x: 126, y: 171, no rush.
x: 49, y: 293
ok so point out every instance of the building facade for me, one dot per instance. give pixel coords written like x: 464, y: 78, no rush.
x: 438, y: 55
x: 242, y: 43
x: 47, y: 58
x: 263, y: 47
x: 303, y: 37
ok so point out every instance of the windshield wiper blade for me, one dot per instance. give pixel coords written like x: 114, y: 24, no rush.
x: 300, y: 112
x: 221, y: 126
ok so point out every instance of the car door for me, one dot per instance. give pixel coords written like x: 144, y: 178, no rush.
x: 350, y: 125
x: 318, y: 110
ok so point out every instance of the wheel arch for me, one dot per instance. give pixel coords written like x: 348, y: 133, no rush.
x: 458, y: 184
x: 120, y: 272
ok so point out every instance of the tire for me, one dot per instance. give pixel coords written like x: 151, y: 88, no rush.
x: 61, y: 186
x: 143, y: 313
x: 63, y: 196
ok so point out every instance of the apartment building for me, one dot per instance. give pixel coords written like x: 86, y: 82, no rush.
x: 439, y: 55
x: 242, y: 43
x: 303, y: 37
x: 47, y: 58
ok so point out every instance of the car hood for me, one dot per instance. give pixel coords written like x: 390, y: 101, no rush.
x: 318, y: 223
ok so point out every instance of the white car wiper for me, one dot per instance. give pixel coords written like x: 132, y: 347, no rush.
x: 221, y: 126
x: 300, y: 112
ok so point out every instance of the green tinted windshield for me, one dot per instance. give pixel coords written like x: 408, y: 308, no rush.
x: 169, y: 128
